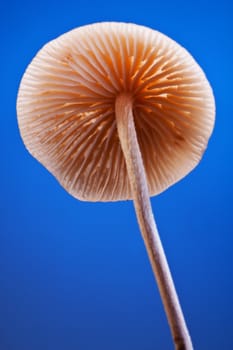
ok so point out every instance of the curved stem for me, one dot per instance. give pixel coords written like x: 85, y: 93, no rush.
x: 140, y: 194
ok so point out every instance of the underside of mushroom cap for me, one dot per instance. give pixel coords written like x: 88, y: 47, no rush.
x: 66, y: 108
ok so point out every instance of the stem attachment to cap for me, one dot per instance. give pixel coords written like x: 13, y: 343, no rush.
x: 137, y: 176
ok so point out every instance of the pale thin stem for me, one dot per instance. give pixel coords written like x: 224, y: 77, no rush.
x: 140, y: 194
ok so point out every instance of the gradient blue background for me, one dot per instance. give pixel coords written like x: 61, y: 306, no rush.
x: 75, y: 275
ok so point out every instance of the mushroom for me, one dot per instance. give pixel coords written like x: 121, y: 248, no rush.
x: 119, y: 111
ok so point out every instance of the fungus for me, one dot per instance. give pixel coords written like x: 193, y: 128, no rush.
x: 119, y: 111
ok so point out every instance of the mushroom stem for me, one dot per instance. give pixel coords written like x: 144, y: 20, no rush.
x: 140, y: 194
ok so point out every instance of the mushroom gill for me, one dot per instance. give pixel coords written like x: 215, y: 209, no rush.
x: 66, y: 108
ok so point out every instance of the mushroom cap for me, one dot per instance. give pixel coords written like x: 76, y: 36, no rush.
x: 66, y: 108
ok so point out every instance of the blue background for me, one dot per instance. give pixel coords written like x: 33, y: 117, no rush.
x: 75, y: 275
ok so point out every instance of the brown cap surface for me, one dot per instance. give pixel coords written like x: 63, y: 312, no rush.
x: 66, y: 109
